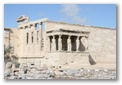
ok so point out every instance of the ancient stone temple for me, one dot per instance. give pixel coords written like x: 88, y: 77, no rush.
x: 50, y: 43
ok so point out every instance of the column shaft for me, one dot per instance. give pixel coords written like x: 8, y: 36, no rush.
x: 85, y: 42
x: 40, y: 37
x: 77, y: 44
x: 59, y: 43
x: 86, y: 47
x: 53, y: 44
x: 69, y: 43
x: 48, y: 43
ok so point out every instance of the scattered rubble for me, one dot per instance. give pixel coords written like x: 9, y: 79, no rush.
x: 26, y: 72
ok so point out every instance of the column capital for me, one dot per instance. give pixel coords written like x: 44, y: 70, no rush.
x: 53, y: 36
x: 69, y: 36
x: 78, y: 37
x: 60, y: 36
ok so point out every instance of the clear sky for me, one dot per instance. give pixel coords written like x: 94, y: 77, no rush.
x: 103, y: 15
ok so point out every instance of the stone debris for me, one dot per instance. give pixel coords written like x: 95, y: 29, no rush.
x: 26, y: 72
x: 7, y: 72
x: 8, y: 65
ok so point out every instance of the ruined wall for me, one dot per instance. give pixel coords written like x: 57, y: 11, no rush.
x: 14, y: 39
x: 101, y: 42
x: 11, y: 38
x: 30, y: 52
x: 6, y: 37
x: 101, y: 45
x: 33, y: 47
x: 30, y: 38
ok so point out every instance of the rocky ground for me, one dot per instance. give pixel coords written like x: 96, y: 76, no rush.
x: 35, y: 72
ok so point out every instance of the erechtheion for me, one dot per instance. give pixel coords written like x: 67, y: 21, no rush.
x: 50, y: 43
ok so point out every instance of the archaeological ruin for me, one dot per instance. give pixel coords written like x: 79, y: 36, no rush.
x: 46, y: 43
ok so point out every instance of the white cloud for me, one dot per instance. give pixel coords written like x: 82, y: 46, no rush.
x: 72, y: 10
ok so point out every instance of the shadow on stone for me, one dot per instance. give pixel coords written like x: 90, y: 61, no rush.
x: 91, y: 60
x: 81, y: 47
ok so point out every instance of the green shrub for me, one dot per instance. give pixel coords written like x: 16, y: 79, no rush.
x: 12, y: 58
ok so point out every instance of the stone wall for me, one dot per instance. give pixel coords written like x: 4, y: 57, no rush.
x: 6, y: 37
x: 101, y: 41
x: 101, y: 46
x: 33, y: 47
x: 11, y: 38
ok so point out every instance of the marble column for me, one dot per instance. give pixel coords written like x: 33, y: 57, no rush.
x: 59, y: 43
x: 53, y: 44
x: 69, y: 43
x: 40, y: 36
x: 77, y: 44
x: 48, y: 43
x: 86, y: 47
x: 85, y: 42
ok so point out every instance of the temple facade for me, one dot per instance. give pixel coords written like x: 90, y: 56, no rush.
x: 49, y: 43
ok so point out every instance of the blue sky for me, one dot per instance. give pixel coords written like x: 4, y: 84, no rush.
x: 103, y: 15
